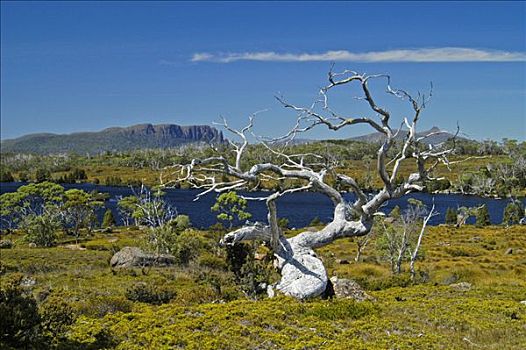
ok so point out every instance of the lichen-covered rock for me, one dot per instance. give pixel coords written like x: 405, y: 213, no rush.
x: 6, y: 244
x: 135, y: 257
x: 462, y: 286
x: 346, y: 288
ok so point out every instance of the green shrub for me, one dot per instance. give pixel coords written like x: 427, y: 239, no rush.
x: 437, y: 185
x: 19, y: 320
x: 102, y: 305
x: 6, y: 244
x: 399, y: 280
x: 186, y: 247
x: 513, y: 212
x: 283, y: 223
x: 316, y: 222
x: 463, y: 251
x: 236, y: 256
x: 212, y: 261
x: 6, y: 176
x: 108, y: 220
x: 343, y: 310
x: 151, y: 294
x: 251, y: 274
x: 42, y: 175
x: 57, y: 317
x: 451, y: 216
x: 218, y: 227
x: 483, y: 217
x: 161, y: 239
x: 396, y: 213
x: 181, y: 222
x: 41, y: 229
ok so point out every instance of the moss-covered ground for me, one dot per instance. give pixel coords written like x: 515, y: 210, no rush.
x: 210, y: 312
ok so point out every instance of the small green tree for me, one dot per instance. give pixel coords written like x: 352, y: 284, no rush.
x: 31, y: 199
x: 451, y: 216
x: 129, y: 209
x: 42, y: 175
x: 250, y: 273
x: 41, y: 229
x: 316, y: 222
x: 396, y: 213
x: 231, y: 208
x: 6, y: 176
x: 283, y: 223
x: 513, y: 212
x: 181, y: 222
x: 79, y: 210
x: 187, y: 247
x: 23, y: 176
x: 367, y: 161
x: 483, y: 218
x: 108, y: 220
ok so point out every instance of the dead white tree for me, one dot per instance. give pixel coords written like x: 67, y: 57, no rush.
x: 361, y: 243
x: 416, y: 249
x: 302, y: 272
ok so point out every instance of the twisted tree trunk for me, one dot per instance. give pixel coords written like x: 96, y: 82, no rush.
x: 302, y: 272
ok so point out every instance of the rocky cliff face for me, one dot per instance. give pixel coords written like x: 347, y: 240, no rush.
x: 116, y: 139
x: 196, y: 133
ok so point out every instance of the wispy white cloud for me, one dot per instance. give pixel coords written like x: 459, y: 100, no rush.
x: 443, y: 54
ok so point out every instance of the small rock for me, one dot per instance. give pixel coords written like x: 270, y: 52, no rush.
x: 508, y: 251
x: 74, y: 247
x: 389, y: 220
x: 260, y: 256
x: 343, y: 261
x: 270, y: 291
x: 135, y: 257
x: 6, y: 244
x: 346, y: 288
x: 461, y: 287
x: 28, y: 282
x: 32, y: 245
x: 450, y: 279
x: 262, y: 287
x: 523, y: 302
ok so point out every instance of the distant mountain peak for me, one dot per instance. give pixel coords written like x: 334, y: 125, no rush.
x: 440, y: 136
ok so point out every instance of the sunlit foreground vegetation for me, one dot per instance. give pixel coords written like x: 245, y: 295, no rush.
x: 72, y: 298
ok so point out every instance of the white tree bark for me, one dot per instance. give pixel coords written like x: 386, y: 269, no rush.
x: 414, y: 254
x: 303, y: 273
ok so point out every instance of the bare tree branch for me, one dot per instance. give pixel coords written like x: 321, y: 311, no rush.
x: 303, y: 274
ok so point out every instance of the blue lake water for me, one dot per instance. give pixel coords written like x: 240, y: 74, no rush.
x: 299, y: 208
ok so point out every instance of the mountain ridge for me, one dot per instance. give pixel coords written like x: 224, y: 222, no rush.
x: 439, y: 136
x: 132, y: 137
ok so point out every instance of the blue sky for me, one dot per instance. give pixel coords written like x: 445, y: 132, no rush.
x: 77, y: 66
